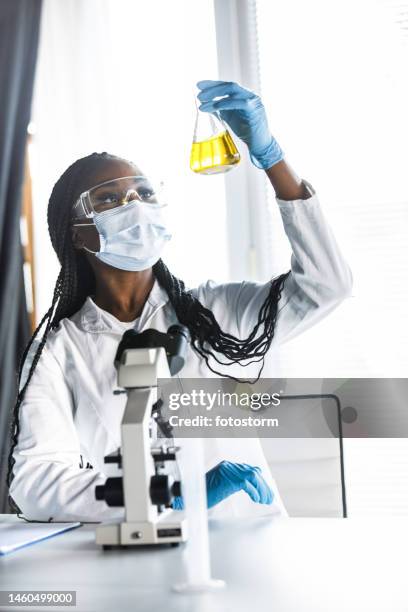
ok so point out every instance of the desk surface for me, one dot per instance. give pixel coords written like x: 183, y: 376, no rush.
x: 280, y: 565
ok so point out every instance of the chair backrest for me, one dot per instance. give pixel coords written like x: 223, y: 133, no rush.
x: 308, y: 474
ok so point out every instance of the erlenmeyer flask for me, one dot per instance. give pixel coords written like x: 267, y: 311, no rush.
x: 213, y: 149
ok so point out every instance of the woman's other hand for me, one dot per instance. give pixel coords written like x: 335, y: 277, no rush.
x: 228, y: 478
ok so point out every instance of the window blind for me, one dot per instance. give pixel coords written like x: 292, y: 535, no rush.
x: 335, y: 84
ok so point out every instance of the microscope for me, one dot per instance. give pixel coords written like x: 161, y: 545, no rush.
x: 146, y: 490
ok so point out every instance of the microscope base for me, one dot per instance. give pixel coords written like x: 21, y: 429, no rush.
x: 169, y: 528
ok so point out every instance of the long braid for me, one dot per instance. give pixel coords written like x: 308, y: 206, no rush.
x: 76, y: 281
x: 208, y: 339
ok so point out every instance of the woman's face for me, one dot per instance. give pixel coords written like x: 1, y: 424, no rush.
x: 85, y: 234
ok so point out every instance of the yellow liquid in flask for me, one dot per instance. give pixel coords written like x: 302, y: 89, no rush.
x: 217, y: 154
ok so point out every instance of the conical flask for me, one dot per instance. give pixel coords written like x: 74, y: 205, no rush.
x: 213, y: 149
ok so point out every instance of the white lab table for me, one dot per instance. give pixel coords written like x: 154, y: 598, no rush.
x: 278, y: 565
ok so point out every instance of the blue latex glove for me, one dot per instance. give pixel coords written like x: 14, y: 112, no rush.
x: 244, y: 112
x: 227, y: 478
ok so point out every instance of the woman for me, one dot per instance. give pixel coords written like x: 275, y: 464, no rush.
x: 66, y: 417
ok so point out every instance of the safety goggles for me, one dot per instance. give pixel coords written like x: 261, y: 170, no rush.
x: 115, y: 194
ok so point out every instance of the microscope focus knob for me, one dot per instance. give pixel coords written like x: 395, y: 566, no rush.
x: 114, y: 459
x: 100, y: 492
x: 163, y: 489
x: 176, y: 488
x: 111, y: 492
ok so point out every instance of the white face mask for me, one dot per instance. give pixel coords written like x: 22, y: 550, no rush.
x: 132, y: 237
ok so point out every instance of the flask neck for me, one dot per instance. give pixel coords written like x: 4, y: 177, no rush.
x: 207, y: 126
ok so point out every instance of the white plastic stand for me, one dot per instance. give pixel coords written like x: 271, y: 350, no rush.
x: 197, y: 550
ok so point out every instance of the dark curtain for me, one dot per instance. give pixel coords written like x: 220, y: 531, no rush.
x: 19, y: 33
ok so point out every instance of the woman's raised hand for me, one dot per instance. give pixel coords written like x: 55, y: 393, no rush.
x: 244, y: 112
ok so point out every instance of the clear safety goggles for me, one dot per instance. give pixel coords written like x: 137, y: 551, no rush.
x: 114, y: 194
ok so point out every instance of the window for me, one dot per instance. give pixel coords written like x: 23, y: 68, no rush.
x: 335, y: 83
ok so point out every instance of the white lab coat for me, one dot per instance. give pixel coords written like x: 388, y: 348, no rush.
x: 70, y: 419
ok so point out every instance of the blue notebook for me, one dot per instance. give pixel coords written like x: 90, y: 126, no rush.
x: 18, y: 535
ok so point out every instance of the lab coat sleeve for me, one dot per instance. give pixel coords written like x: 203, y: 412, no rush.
x: 48, y: 481
x: 319, y: 279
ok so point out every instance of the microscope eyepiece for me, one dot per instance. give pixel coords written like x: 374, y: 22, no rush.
x: 177, y: 350
x: 182, y: 330
x: 175, y: 342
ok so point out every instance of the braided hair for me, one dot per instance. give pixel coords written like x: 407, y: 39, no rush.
x: 76, y: 282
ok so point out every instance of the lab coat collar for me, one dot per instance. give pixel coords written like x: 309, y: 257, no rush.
x: 93, y: 319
